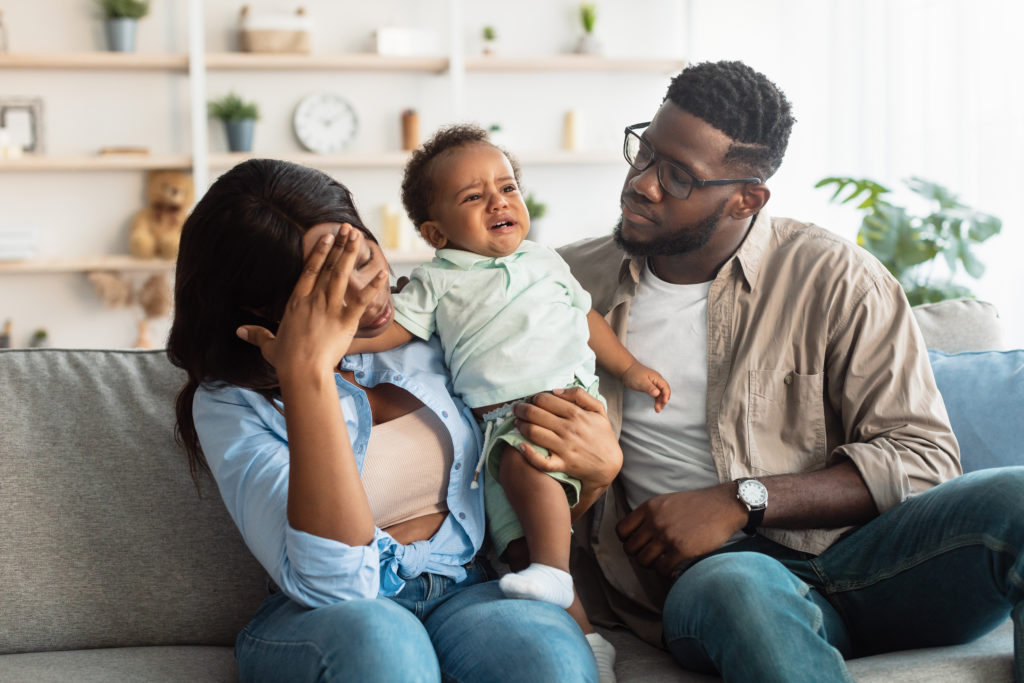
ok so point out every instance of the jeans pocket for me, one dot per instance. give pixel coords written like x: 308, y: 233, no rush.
x: 786, y: 421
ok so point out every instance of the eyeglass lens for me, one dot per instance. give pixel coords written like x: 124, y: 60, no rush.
x: 673, y: 179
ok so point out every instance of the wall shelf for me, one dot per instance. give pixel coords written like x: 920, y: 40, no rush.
x: 573, y: 62
x: 349, y: 160
x: 122, y: 263
x: 95, y: 60
x: 408, y: 256
x: 105, y: 162
x: 323, y: 62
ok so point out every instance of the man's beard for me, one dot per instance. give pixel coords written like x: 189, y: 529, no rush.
x: 683, y: 240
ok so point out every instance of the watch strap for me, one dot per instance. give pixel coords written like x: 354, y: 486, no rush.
x: 755, y: 513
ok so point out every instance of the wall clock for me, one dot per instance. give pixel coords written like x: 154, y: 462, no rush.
x: 325, y: 123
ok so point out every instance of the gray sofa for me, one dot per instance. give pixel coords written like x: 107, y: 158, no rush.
x: 114, y: 569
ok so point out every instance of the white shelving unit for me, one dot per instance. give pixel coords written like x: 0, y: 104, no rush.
x: 189, y: 78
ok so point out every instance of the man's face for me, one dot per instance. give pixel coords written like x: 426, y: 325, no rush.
x: 656, y: 223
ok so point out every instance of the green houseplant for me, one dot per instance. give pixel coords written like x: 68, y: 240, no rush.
x: 490, y: 36
x: 239, y: 117
x: 588, y: 44
x: 536, y: 209
x: 120, y: 21
x: 909, y: 244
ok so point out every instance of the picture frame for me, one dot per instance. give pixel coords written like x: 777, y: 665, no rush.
x: 22, y: 118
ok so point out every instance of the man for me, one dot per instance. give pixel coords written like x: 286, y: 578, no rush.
x: 787, y: 509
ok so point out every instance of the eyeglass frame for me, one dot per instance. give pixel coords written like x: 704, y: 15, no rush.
x: 659, y: 159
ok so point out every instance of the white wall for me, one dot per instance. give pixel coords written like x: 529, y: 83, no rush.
x: 890, y: 89
x: 881, y: 88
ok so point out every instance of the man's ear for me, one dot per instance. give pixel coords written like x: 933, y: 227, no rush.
x: 433, y: 235
x: 750, y: 200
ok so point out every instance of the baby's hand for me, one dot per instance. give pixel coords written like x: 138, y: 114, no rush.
x: 639, y: 377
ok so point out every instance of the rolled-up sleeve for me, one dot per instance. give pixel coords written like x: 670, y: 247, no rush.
x: 880, y: 381
x: 249, y: 461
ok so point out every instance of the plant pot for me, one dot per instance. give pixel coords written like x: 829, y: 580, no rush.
x: 588, y: 45
x: 120, y: 34
x: 240, y: 134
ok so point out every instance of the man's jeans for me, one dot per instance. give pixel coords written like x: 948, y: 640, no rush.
x: 435, y: 630
x: 942, y: 568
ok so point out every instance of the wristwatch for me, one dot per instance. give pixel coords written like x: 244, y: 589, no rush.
x: 754, y: 495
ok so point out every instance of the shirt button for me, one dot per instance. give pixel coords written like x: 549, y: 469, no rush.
x: 462, y: 515
x: 444, y: 413
x: 458, y: 465
x: 789, y: 379
x: 398, y: 377
x: 360, y: 373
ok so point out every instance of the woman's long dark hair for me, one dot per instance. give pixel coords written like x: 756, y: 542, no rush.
x: 239, y: 258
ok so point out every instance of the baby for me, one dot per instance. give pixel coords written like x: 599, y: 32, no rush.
x: 513, y: 322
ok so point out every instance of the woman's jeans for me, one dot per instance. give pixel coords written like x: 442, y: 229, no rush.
x: 434, y: 630
x: 942, y: 568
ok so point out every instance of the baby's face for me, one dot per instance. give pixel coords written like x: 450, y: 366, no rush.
x: 477, y: 206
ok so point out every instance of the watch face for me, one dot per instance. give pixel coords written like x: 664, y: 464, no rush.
x: 325, y: 123
x: 752, y: 492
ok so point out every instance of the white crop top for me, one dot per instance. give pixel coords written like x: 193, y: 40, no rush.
x: 405, y: 472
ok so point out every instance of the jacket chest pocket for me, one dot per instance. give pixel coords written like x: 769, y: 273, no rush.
x: 786, y: 421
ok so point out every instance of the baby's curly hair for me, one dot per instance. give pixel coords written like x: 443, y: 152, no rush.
x: 744, y: 105
x: 418, y: 186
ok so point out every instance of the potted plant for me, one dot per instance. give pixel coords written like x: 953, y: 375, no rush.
x: 588, y: 44
x: 490, y: 36
x: 239, y: 119
x: 536, y: 209
x: 120, y: 20
x: 909, y: 244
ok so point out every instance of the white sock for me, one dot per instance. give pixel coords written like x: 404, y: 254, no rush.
x: 604, y: 653
x: 539, y: 582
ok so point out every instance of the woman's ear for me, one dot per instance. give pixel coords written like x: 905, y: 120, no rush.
x: 433, y: 235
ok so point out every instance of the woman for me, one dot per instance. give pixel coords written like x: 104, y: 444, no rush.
x: 370, y: 535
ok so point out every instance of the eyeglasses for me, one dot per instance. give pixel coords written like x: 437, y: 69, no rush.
x: 674, y: 178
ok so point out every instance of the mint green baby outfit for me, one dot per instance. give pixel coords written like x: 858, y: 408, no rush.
x: 510, y: 327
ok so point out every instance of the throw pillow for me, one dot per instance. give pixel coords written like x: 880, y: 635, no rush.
x: 984, y: 396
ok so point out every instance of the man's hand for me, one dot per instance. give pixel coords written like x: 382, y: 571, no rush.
x: 671, y: 529
x: 574, y: 427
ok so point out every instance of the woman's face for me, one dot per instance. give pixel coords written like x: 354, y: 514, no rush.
x: 370, y: 261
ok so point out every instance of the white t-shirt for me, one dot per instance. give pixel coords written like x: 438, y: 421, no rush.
x: 667, y: 451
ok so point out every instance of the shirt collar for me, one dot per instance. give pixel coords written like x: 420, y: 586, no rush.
x: 468, y: 260
x: 751, y: 252
x: 749, y: 256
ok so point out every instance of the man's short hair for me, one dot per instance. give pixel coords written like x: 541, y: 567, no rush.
x: 744, y: 105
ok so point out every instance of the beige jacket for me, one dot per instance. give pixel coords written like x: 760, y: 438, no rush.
x: 813, y: 357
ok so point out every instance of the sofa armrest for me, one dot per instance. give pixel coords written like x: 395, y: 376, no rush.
x: 959, y: 325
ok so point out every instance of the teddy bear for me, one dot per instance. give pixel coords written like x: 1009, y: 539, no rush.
x: 156, y: 227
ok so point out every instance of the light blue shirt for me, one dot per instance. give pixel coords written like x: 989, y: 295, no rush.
x: 510, y: 326
x: 246, y: 445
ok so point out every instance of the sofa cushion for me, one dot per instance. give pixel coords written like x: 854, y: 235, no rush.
x: 984, y: 396
x: 166, y: 664
x: 960, y: 325
x: 105, y: 540
x: 989, y: 658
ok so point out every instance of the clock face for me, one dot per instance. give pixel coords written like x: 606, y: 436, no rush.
x: 325, y: 123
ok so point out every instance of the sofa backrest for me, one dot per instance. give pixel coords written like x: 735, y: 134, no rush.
x: 104, y: 540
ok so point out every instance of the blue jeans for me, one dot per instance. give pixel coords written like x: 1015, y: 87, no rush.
x: 941, y: 568
x: 434, y: 630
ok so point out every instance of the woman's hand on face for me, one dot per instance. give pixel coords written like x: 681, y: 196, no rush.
x: 574, y: 427
x: 322, y: 314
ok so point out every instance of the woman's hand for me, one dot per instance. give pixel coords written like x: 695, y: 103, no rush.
x: 574, y: 427
x: 323, y: 311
